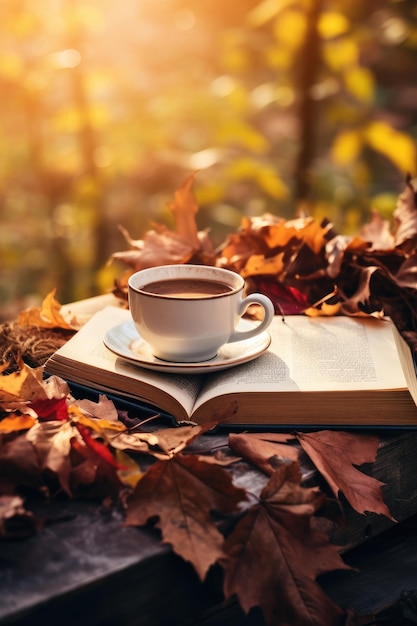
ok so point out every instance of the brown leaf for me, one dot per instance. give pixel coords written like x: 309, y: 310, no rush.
x: 263, y: 454
x: 407, y: 274
x: 273, y: 556
x: 405, y: 215
x: 101, y: 417
x: 94, y: 471
x: 19, y: 464
x: 52, y: 442
x: 335, y: 454
x: 162, y: 444
x: 218, y: 458
x: 362, y: 296
x: 15, y: 521
x: 184, y: 208
x: 181, y: 494
x: 161, y: 246
x: 157, y: 248
x: 377, y: 232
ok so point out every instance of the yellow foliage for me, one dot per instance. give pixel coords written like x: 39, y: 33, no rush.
x: 332, y: 24
x: 11, y: 65
x: 290, y: 28
x: 237, y: 132
x: 398, y: 147
x: 210, y: 192
x: 278, y: 57
x: 67, y: 120
x: 347, y: 147
x: 341, y: 53
x: 385, y: 204
x: 266, y: 11
x: 270, y: 182
x: 360, y: 174
x: 233, y: 54
x: 23, y: 24
x: 265, y: 176
x: 360, y: 82
x: 238, y: 98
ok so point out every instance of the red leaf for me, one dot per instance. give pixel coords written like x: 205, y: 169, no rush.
x: 288, y: 300
x: 98, y: 448
x: 49, y: 409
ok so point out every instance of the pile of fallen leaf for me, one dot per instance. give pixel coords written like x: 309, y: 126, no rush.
x: 303, y: 265
x: 268, y: 543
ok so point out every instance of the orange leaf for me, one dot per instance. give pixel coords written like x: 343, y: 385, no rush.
x: 47, y: 316
x: 25, y: 384
x: 15, y: 422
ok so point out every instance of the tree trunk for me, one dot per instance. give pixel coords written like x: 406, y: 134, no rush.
x: 308, y: 71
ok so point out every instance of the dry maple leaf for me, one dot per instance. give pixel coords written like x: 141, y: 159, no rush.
x: 164, y: 443
x: 19, y: 464
x: 335, y: 454
x: 263, y: 453
x: 104, y: 409
x: 47, y: 316
x: 162, y: 246
x: 184, y: 208
x: 274, y: 555
x: 52, y: 442
x: 182, y: 493
x: 22, y: 386
x: 405, y: 216
x: 158, y: 247
x: 377, y: 232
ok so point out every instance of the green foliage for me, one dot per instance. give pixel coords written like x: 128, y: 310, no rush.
x: 282, y: 106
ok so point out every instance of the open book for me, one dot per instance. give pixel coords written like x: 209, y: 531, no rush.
x: 322, y: 371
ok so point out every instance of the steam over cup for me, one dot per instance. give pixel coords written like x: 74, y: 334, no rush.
x: 192, y: 329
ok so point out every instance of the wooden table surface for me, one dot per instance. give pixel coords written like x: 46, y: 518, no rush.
x: 86, y: 568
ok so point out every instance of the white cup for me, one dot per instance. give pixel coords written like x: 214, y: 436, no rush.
x: 181, y: 327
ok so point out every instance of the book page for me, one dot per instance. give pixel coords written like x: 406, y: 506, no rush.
x: 317, y: 354
x: 85, y: 358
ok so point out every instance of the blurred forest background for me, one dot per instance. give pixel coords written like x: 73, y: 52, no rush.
x: 283, y: 106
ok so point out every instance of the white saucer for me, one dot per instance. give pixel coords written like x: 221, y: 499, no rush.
x: 125, y: 341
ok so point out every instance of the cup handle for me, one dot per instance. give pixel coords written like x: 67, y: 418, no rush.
x: 269, y: 312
